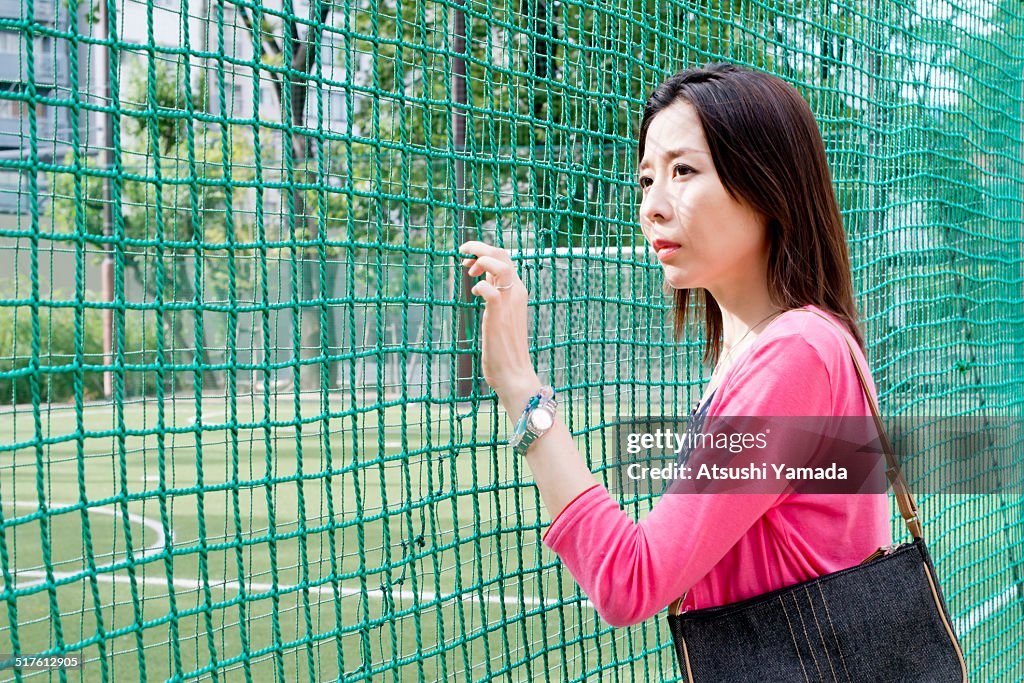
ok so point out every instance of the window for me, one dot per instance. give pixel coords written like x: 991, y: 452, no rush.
x: 332, y: 42
x: 337, y: 106
x: 17, y: 109
x: 13, y: 109
x: 10, y: 42
x: 10, y: 179
x: 268, y: 96
x: 237, y: 101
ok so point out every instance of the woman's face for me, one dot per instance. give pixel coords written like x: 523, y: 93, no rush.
x: 702, y: 235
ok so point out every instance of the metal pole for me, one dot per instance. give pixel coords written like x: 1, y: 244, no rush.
x: 105, y: 157
x: 466, y: 361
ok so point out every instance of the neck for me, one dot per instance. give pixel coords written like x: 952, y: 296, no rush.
x: 745, y: 303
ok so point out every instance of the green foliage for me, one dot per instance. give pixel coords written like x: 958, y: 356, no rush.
x: 552, y: 107
x: 60, y: 343
x: 179, y: 175
x: 56, y: 353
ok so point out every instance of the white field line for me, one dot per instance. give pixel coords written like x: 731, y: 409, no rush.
x: 190, y: 584
x: 962, y: 625
x: 110, y: 511
x: 983, y: 611
x: 259, y: 587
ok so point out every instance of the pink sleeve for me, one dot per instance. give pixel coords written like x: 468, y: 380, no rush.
x: 632, y: 570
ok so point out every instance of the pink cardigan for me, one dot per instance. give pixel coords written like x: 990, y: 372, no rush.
x: 727, y: 547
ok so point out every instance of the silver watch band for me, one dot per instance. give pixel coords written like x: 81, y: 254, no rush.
x: 526, y: 430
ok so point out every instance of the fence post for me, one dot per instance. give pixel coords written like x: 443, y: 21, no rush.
x: 465, y: 363
x: 107, y: 152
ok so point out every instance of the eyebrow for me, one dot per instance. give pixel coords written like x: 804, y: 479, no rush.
x: 671, y: 154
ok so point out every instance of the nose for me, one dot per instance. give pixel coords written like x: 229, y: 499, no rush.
x: 655, y: 207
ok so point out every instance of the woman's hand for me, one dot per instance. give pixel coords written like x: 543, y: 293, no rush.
x: 560, y: 472
x: 505, y: 348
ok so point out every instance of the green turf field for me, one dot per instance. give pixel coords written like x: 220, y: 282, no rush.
x: 438, y: 574
x: 454, y: 544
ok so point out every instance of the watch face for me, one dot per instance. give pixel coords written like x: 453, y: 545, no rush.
x: 541, y: 419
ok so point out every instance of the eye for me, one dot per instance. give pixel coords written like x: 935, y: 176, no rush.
x: 682, y: 169
x: 645, y: 182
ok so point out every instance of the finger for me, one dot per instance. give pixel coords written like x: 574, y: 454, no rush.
x: 486, y: 290
x: 477, y: 248
x: 502, y: 272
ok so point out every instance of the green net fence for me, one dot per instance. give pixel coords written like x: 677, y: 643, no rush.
x: 236, y: 438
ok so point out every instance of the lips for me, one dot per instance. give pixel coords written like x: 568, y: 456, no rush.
x: 664, y: 244
x: 664, y: 248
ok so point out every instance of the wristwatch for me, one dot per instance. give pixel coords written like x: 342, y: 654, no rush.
x: 536, y: 420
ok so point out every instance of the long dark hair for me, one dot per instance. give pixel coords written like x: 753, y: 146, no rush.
x: 768, y: 152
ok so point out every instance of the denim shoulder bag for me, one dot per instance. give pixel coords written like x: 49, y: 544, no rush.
x: 883, y: 620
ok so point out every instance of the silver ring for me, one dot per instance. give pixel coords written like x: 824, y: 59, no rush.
x: 503, y: 287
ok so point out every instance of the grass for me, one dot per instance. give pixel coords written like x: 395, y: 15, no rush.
x: 459, y: 530
x: 380, y: 563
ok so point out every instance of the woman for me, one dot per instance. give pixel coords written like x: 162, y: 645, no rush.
x: 739, y: 206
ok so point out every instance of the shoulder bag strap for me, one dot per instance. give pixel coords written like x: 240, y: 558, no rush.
x: 904, y: 499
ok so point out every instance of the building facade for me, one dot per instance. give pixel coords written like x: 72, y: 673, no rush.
x: 40, y: 89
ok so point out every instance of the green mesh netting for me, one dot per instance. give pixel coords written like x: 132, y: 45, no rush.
x: 280, y: 469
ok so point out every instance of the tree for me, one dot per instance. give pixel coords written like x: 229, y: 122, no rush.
x: 173, y: 201
x: 300, y: 54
